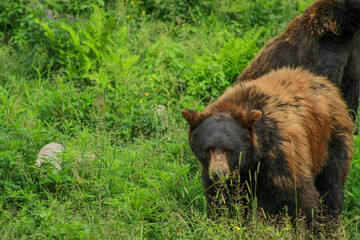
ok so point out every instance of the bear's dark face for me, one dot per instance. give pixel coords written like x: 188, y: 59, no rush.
x: 218, y: 143
x: 219, y: 140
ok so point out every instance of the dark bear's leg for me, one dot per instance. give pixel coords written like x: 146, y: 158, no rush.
x: 330, y: 181
x: 209, y: 186
x: 217, y: 196
x: 305, y: 204
x: 351, y: 95
x: 350, y: 85
x: 331, y: 192
x: 300, y: 202
x: 308, y: 198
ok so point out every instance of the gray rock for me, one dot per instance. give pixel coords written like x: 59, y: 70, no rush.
x: 161, y: 111
x: 49, y: 154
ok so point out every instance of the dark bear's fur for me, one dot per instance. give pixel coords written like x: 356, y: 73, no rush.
x: 324, y: 40
x: 291, y: 124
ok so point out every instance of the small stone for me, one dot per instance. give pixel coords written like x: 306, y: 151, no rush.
x: 49, y: 154
x: 161, y: 111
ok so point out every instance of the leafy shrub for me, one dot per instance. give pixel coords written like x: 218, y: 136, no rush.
x: 257, y: 12
x: 168, y: 10
x: 211, y: 74
x: 78, y: 47
x: 17, y: 20
x: 74, y: 7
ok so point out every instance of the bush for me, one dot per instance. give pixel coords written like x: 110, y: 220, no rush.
x: 17, y: 20
x: 211, y: 75
x: 167, y: 10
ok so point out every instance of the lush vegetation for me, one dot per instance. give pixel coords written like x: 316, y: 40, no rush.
x: 108, y: 79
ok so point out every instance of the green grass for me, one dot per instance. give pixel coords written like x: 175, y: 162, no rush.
x: 96, y: 86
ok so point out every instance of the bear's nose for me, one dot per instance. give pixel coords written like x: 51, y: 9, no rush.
x: 218, y: 166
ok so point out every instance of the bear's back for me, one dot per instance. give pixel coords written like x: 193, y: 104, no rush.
x: 308, y: 110
x: 303, y: 108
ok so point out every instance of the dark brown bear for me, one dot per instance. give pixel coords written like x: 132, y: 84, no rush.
x: 324, y: 40
x: 293, y: 126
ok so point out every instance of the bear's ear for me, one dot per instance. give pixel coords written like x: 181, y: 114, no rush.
x: 194, y: 118
x: 247, y: 119
x: 252, y: 117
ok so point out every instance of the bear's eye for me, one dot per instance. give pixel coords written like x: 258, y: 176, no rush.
x: 230, y: 150
x: 209, y: 149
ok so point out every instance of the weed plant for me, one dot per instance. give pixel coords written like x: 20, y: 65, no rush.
x: 108, y: 79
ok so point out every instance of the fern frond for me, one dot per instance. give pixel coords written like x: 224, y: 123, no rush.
x: 48, y: 32
x: 73, y: 35
x: 96, y: 23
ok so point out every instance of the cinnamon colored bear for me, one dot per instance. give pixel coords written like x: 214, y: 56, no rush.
x: 324, y: 40
x: 291, y: 128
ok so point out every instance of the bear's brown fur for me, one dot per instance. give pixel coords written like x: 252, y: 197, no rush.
x: 289, y: 125
x: 324, y: 40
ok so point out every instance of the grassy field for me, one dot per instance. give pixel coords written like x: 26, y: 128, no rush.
x: 108, y: 79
